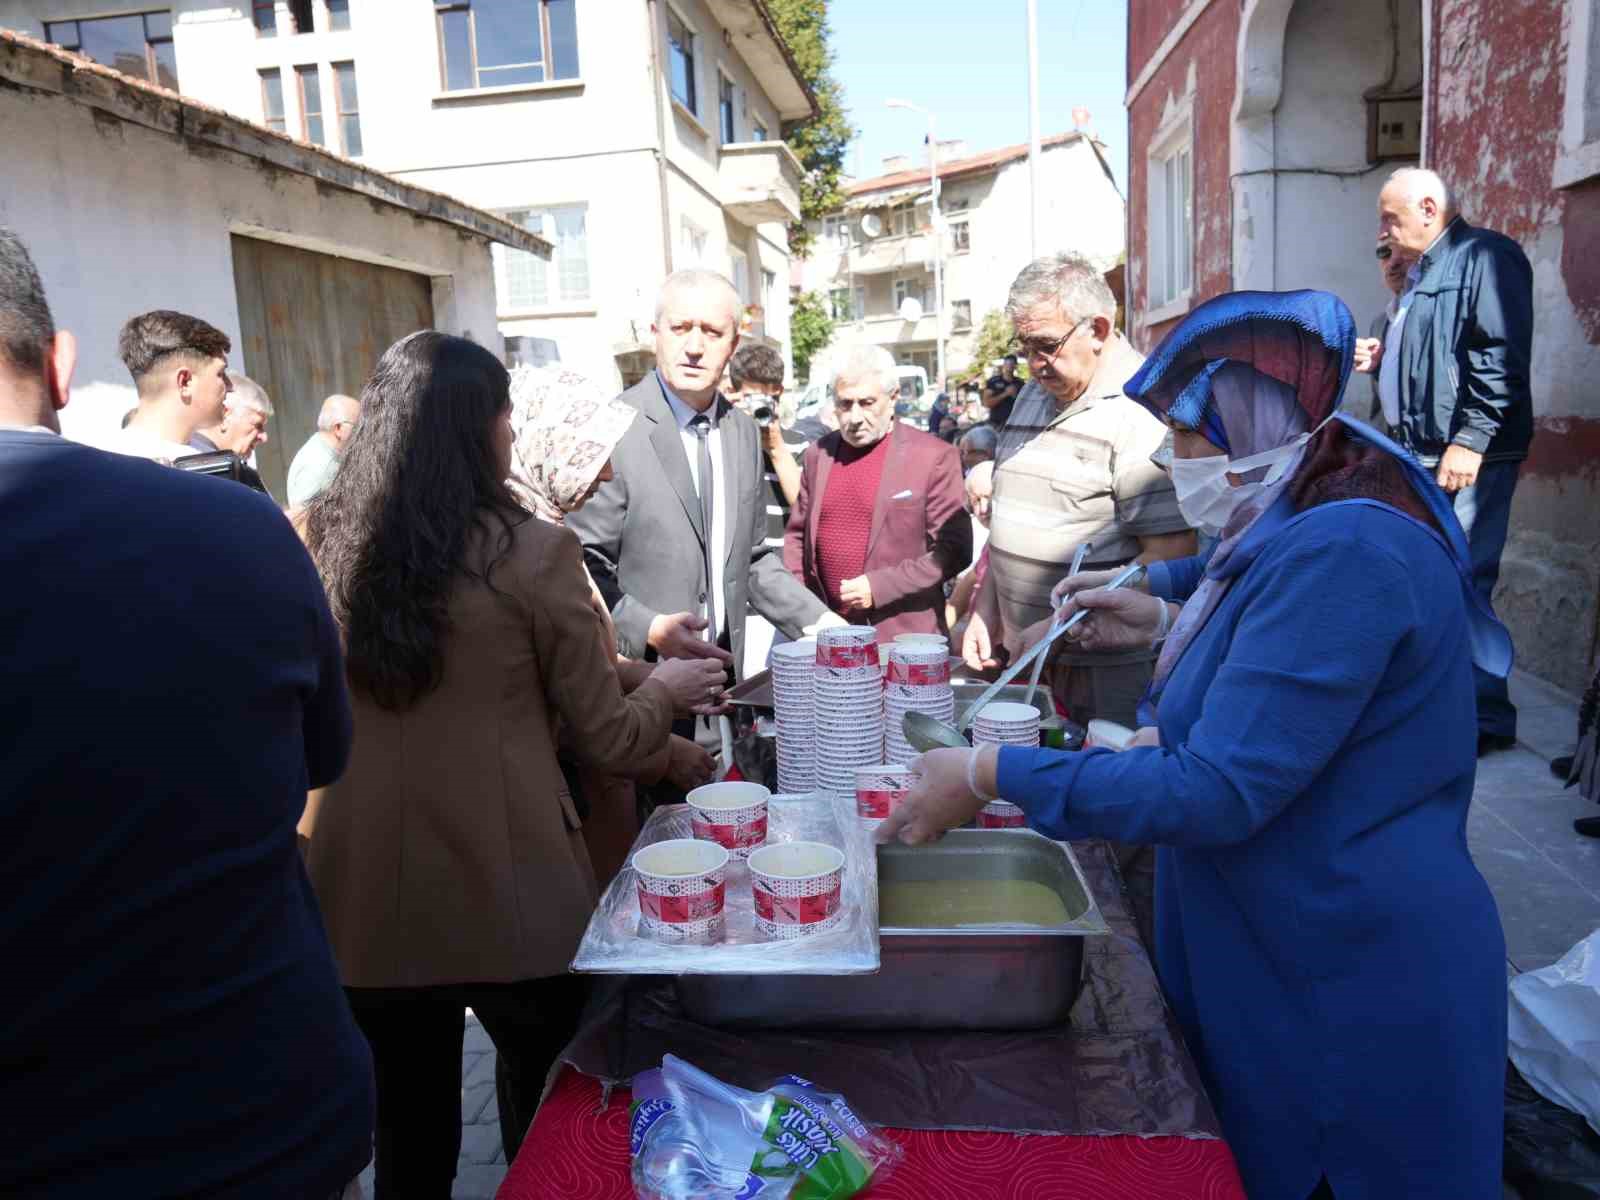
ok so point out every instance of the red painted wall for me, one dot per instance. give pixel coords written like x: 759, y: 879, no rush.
x: 1210, y: 46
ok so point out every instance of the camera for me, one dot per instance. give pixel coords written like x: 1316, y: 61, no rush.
x: 763, y: 414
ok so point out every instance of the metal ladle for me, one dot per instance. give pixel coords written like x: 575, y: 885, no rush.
x: 926, y: 733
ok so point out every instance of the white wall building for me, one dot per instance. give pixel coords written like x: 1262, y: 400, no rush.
x: 638, y: 136
x: 131, y: 199
x: 879, y: 249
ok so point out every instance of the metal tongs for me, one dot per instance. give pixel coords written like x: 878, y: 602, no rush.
x: 928, y: 733
x: 1038, y: 663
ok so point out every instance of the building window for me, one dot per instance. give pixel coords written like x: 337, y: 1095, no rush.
x: 680, y: 56
x: 272, y: 100
x: 960, y: 236
x: 338, y: 15
x: 1578, y: 151
x: 839, y: 304
x: 265, y: 15
x: 139, y: 45
x: 505, y: 43
x: 769, y: 291
x: 860, y: 296
x: 300, y: 14
x: 725, y: 112
x: 915, y: 288
x: 1172, y: 223
x: 310, y: 105
x: 960, y: 315
x: 344, y: 76
x: 528, y: 281
x: 741, y: 273
x: 758, y: 132
x: 693, y: 239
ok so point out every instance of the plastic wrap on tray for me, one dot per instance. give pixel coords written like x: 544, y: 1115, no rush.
x: 613, y: 944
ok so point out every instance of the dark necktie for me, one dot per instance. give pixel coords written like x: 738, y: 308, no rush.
x: 701, y: 426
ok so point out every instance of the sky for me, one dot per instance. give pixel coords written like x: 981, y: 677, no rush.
x: 968, y: 62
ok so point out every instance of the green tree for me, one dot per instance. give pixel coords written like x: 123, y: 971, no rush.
x: 810, y: 329
x: 818, y: 142
x: 995, y: 339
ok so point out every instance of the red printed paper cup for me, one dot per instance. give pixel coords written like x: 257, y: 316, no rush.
x: 918, y: 665
x: 682, y: 889
x: 733, y: 815
x: 923, y: 639
x: 847, y: 647
x: 1001, y: 815
x: 879, y: 790
x: 798, y: 889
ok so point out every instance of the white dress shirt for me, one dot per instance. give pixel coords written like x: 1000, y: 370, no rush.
x: 719, y: 493
x: 1389, y: 364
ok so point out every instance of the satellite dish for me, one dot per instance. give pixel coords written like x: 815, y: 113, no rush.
x: 872, y: 224
x: 911, y: 309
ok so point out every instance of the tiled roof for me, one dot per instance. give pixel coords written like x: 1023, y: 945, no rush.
x: 987, y: 161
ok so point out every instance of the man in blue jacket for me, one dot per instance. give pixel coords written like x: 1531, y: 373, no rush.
x: 174, y: 1024
x: 1453, y: 379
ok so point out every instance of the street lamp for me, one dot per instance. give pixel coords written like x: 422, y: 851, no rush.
x: 938, y: 233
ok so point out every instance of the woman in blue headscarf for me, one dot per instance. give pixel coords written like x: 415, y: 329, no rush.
x: 1333, y: 956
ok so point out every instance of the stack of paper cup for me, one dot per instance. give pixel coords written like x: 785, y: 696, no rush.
x: 918, y: 681
x: 848, y: 700
x: 793, y: 665
x: 1004, y: 723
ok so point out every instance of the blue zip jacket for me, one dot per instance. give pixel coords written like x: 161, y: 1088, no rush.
x: 1465, y: 347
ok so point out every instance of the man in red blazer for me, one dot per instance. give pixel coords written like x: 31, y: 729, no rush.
x: 879, y: 525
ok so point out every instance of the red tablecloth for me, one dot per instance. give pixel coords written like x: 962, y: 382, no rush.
x: 578, y: 1151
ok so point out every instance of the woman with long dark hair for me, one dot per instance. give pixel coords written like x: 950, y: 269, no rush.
x: 448, y: 859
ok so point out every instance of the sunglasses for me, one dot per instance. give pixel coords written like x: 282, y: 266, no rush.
x: 1046, y: 347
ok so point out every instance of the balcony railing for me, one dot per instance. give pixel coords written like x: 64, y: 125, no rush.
x: 760, y: 182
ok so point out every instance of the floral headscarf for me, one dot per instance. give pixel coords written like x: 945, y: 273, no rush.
x: 564, y: 428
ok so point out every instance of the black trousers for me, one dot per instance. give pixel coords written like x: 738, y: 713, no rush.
x: 416, y: 1039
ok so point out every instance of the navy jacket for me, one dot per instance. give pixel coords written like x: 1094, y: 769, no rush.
x: 1465, y: 348
x: 173, y: 1022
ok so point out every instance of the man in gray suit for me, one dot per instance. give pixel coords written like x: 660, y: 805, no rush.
x: 679, y: 562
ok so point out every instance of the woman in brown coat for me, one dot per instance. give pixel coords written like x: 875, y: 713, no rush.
x: 448, y: 861
x: 565, y: 429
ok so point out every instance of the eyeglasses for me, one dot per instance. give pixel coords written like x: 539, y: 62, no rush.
x: 1046, y: 347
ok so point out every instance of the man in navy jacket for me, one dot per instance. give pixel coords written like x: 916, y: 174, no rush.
x: 173, y: 1022
x: 1453, y: 379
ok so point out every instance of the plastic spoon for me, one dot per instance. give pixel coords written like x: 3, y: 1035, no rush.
x: 1038, y: 663
x: 929, y: 733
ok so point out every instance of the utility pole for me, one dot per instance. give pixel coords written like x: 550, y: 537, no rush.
x: 1033, y: 128
x: 938, y: 232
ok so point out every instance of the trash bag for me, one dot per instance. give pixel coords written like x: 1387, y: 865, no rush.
x: 1550, y: 1152
x: 1553, y: 1028
x: 694, y: 1137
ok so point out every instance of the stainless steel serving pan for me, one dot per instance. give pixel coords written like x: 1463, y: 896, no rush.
x: 966, y: 977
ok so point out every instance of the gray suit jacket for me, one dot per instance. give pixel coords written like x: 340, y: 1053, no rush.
x: 643, y: 536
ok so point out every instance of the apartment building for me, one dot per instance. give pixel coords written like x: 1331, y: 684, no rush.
x: 878, y: 251
x: 636, y: 136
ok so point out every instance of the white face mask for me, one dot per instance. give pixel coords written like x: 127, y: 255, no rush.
x: 1206, y: 498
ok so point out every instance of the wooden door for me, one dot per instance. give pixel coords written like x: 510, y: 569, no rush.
x: 313, y: 325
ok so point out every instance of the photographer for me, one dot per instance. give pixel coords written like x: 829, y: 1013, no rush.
x: 756, y: 373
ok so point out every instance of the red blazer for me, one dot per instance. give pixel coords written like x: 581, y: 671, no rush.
x: 920, y: 537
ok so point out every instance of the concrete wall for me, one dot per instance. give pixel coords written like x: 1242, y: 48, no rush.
x: 122, y: 219
x: 1502, y: 169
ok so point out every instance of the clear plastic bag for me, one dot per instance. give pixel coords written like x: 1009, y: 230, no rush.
x: 694, y: 1137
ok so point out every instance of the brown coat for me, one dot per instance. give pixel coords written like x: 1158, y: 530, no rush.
x: 921, y: 534
x: 450, y: 851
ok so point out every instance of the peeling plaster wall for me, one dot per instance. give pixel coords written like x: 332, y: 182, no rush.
x: 1511, y: 59
x: 1206, y: 55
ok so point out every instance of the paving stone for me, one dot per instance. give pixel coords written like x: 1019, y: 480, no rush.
x: 474, y: 1100
x: 477, y: 1068
x: 1543, y: 910
x: 480, y: 1144
x: 1548, y: 730
x: 477, y: 1181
